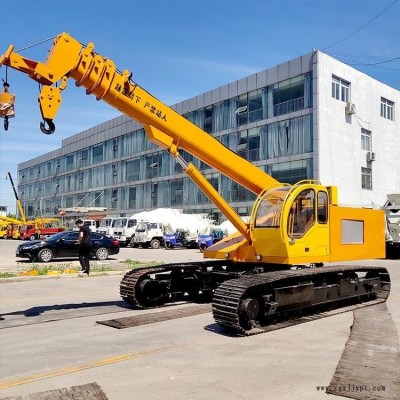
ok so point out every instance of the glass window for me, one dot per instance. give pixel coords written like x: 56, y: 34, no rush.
x: 366, y: 178
x: 98, y: 199
x: 153, y: 165
x: 340, y: 89
x: 387, y: 109
x: 177, y: 192
x: 208, y: 119
x: 242, y: 110
x: 69, y: 201
x: 255, y: 106
x: 84, y: 157
x: 322, y: 207
x: 269, y: 209
x: 291, y: 172
x: 114, y: 198
x: 69, y: 162
x: 365, y: 139
x: 132, y: 198
x: 249, y: 144
x: 288, y: 95
x: 97, y: 152
x: 302, y: 213
x: 133, y: 170
x: 154, y: 195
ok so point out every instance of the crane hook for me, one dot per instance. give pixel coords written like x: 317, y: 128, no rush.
x: 50, y: 124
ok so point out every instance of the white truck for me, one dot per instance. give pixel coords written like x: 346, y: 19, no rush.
x: 161, y: 224
x: 91, y: 223
x: 106, y: 226
x: 124, y: 228
x: 151, y: 227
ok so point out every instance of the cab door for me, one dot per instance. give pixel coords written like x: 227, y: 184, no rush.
x: 308, y: 224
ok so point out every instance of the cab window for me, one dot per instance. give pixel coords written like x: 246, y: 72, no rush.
x: 322, y: 208
x: 302, y: 213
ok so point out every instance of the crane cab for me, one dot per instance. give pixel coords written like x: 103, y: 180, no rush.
x: 303, y: 224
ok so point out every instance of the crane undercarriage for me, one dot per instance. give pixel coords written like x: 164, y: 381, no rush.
x: 248, y: 298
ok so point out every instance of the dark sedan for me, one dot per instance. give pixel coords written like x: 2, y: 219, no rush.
x: 64, y: 244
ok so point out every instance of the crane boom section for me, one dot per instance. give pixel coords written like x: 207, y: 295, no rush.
x: 19, y: 204
x: 69, y: 59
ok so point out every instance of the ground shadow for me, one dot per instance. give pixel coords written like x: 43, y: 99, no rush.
x: 40, y: 310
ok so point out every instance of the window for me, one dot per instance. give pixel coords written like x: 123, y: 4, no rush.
x: 255, y: 106
x: 301, y: 216
x: 98, y: 197
x: 114, y: 195
x: 208, y: 119
x: 288, y: 95
x: 340, y: 89
x: 115, y: 148
x: 132, y: 170
x: 177, y: 192
x: 322, y: 208
x: 387, y: 108
x: 241, y: 112
x: 97, y: 152
x: 366, y: 178
x: 249, y: 144
x: 154, y: 194
x: 84, y: 158
x: 365, y: 139
x: 132, y: 198
x: 69, y: 162
x: 153, y: 166
x: 292, y: 171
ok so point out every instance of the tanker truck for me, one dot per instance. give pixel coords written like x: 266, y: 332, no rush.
x: 185, y: 229
x: 149, y: 231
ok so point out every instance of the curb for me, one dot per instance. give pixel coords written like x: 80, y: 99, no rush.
x: 60, y: 276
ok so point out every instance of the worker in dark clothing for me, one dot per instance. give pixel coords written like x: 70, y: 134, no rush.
x: 85, y: 244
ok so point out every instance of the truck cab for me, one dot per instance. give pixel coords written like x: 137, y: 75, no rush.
x: 106, y: 226
x: 148, y: 234
x: 91, y: 223
x: 124, y: 230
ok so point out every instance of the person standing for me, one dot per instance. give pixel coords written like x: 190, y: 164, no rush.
x: 85, y: 245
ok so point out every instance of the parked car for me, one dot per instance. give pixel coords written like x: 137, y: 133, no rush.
x: 64, y: 244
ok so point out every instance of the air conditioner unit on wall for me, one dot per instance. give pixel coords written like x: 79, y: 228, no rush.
x: 370, y: 156
x: 350, y: 108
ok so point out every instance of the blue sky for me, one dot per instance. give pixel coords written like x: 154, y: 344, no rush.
x: 179, y: 49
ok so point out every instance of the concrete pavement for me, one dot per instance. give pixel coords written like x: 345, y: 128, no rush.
x: 49, y: 340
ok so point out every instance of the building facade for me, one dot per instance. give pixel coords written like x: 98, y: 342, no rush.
x: 309, y: 118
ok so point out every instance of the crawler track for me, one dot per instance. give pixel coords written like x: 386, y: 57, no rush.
x: 244, y: 305
x: 248, y: 301
x: 154, y: 286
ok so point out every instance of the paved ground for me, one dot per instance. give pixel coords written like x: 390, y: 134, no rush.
x: 49, y: 339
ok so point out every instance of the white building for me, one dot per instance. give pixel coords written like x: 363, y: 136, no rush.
x: 309, y: 118
x: 356, y: 134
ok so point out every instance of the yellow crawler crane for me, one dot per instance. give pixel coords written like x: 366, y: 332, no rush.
x: 259, y: 276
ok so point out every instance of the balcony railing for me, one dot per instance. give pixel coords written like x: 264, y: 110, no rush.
x: 289, y: 106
